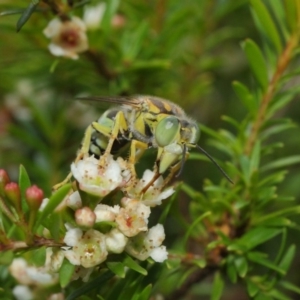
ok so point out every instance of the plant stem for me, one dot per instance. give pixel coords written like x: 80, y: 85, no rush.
x: 282, y: 64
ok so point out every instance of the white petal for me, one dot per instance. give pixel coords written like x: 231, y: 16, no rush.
x: 73, y: 236
x: 159, y: 254
x: 22, y: 292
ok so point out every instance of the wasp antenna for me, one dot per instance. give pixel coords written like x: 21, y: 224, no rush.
x: 216, y: 164
x: 182, y: 161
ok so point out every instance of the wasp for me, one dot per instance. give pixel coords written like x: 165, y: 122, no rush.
x: 143, y: 122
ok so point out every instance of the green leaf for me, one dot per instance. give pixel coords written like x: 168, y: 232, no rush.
x: 291, y: 14
x: 201, y: 262
x: 38, y: 257
x: 280, y: 213
x: 6, y: 257
x: 24, y: 183
x: 217, y: 288
x: 230, y: 268
x: 252, y: 288
x: 117, y: 268
x: 257, y: 62
x: 54, y: 226
x: 131, y: 264
x: 288, y: 258
x: 245, y: 96
x: 282, y: 163
x: 145, y: 294
x: 257, y: 236
x: 27, y: 14
x: 278, y: 295
x: 110, y: 10
x: 93, y: 284
x: 289, y: 286
x: 241, y: 265
x: 191, y: 227
x: 66, y: 272
x: 54, y: 201
x: 267, y: 23
x: 259, y: 259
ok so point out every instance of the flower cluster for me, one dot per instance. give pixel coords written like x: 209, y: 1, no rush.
x: 102, y: 229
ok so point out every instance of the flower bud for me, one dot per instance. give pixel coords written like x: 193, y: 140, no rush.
x: 4, y: 179
x: 85, y: 217
x: 34, y: 197
x: 13, y: 193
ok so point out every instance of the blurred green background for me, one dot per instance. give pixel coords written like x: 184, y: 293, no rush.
x: 186, y: 51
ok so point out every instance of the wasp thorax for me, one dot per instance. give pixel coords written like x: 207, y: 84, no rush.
x: 167, y: 131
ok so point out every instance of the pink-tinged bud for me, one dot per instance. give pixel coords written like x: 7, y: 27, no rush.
x: 85, y: 217
x: 34, y: 197
x: 4, y: 180
x: 13, y: 193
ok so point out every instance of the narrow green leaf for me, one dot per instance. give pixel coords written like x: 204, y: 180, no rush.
x: 131, y: 264
x: 241, y: 266
x: 280, y: 213
x: 191, y: 227
x: 245, y: 96
x: 278, y: 295
x: 38, y: 257
x: 255, y: 158
x: 288, y: 258
x: 110, y: 11
x: 145, y: 294
x: 24, y: 183
x: 282, y: 163
x: 257, y: 236
x: 252, y: 288
x: 291, y: 14
x: 267, y: 23
x: 66, y: 272
x: 291, y: 287
x: 259, y: 259
x: 93, y: 284
x: 217, y: 288
x: 54, y: 201
x: 6, y: 257
x: 117, y: 268
x: 257, y: 62
x: 201, y: 263
x: 27, y: 14
x: 230, y: 269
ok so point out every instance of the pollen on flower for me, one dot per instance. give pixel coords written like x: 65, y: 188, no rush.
x: 68, y: 38
x: 133, y: 218
x: 94, y: 180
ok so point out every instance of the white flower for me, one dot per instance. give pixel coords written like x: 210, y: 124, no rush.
x: 54, y: 259
x: 26, y: 274
x: 92, y: 15
x: 97, y: 180
x: 85, y: 217
x: 67, y: 38
x: 73, y: 236
x: 22, y: 292
x: 106, y: 213
x: 154, y: 194
x: 133, y: 218
x: 84, y: 273
x: 148, y: 244
x: 89, y: 251
x: 57, y: 296
x: 115, y: 241
x: 74, y: 200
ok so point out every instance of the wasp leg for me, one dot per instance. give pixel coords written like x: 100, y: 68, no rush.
x: 83, y: 151
x: 173, y: 171
x: 137, y: 148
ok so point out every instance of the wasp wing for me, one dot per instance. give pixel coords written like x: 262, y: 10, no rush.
x: 132, y: 100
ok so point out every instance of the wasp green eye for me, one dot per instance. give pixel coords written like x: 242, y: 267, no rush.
x: 166, y: 131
